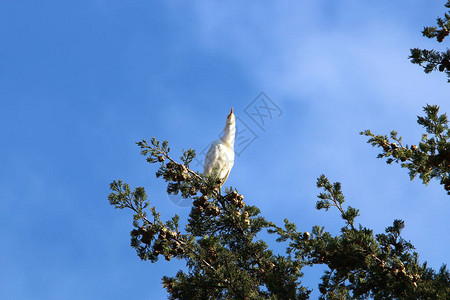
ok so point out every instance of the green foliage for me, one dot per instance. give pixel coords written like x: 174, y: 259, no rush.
x: 432, y: 60
x: 149, y: 238
x: 361, y: 264
x: 226, y: 259
x: 430, y: 158
x: 333, y: 196
x: 220, y: 245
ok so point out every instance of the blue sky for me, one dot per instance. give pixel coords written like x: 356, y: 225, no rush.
x: 81, y: 81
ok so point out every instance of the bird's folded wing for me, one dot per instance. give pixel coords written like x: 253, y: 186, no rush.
x: 215, y: 158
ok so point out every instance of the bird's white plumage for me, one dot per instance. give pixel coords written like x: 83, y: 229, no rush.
x: 220, y: 157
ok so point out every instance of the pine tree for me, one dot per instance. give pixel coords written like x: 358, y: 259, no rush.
x: 225, y: 258
x: 430, y: 158
x: 432, y: 60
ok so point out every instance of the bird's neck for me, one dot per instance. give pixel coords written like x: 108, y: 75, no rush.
x: 229, y: 133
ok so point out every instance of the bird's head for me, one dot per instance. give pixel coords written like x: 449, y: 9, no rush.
x: 231, y: 118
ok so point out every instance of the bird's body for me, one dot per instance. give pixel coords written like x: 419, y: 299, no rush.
x: 220, y: 157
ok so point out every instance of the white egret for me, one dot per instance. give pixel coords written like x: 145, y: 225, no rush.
x: 220, y: 157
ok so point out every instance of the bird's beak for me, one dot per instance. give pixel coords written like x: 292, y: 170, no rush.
x: 231, y: 111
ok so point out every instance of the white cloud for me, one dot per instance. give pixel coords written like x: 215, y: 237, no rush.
x: 302, y: 50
